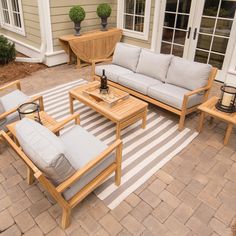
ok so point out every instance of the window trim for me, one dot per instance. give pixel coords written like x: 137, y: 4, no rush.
x: 10, y: 26
x: 131, y: 33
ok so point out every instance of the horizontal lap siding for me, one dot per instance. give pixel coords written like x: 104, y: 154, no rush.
x: 31, y: 23
x: 62, y: 25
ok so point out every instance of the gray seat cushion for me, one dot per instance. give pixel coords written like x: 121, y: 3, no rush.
x: 188, y: 74
x: 80, y: 148
x: 126, y: 55
x: 153, y: 64
x: 45, y: 150
x: 112, y: 71
x: 10, y: 101
x: 173, y: 95
x: 138, y: 82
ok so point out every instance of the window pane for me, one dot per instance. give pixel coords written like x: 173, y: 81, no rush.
x: 13, y: 3
x: 223, y: 27
x: 219, y: 44
x: 201, y: 56
x: 204, y: 42
x: 178, y: 51
x: 166, y: 48
x: 211, y: 7
x: 207, y: 25
x: 139, y: 21
x: 140, y: 7
x: 4, y: 4
x: 128, y: 22
x: 184, y: 6
x: 167, y: 34
x: 171, y: 5
x: 180, y: 37
x: 169, y: 20
x: 227, y: 9
x: 6, y: 17
x: 182, y: 22
x: 216, y: 60
x: 129, y: 6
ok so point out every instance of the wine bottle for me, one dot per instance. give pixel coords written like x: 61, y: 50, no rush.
x: 103, y: 86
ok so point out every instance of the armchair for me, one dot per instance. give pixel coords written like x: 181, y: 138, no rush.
x: 10, y: 102
x: 72, y: 166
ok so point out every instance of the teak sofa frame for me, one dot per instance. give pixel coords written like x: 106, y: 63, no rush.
x: 56, y: 191
x: 184, y: 110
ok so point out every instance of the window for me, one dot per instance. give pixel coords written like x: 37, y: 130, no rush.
x: 134, y: 17
x: 11, y: 15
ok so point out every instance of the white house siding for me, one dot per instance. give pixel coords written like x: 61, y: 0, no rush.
x: 31, y: 22
x: 62, y: 25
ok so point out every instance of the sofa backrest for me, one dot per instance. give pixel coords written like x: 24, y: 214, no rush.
x: 126, y: 55
x: 153, y: 64
x: 44, y: 149
x: 188, y: 74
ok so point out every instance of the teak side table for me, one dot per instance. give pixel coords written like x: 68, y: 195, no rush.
x: 208, y: 108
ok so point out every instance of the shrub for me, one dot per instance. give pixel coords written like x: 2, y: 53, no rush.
x: 77, y: 14
x: 104, y: 10
x: 7, y: 50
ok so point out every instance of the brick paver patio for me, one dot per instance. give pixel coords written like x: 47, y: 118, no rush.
x: 193, y: 194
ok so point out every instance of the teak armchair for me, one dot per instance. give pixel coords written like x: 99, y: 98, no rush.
x: 57, y: 191
x: 16, y: 84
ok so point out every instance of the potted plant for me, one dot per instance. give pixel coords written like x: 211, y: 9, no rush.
x: 77, y: 15
x: 104, y: 11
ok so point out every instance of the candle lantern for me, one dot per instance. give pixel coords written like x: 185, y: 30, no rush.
x: 29, y: 110
x: 226, y: 103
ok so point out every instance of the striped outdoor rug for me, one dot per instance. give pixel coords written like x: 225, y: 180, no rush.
x: 144, y: 151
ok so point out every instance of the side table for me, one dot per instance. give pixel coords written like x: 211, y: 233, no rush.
x: 208, y: 108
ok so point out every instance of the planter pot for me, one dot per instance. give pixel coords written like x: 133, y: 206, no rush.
x: 103, y: 23
x: 77, y: 28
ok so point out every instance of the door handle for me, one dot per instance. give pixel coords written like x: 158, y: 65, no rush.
x: 195, y: 34
x: 189, y: 32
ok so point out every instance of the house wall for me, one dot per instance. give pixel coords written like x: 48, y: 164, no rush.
x: 31, y: 23
x: 62, y: 25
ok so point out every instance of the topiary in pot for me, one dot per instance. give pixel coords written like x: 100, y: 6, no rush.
x: 77, y: 14
x: 104, y: 11
x: 7, y: 50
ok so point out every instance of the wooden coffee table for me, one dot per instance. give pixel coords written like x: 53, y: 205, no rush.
x: 124, y: 113
x: 208, y: 108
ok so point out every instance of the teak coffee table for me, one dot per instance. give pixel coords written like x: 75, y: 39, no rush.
x: 208, y: 108
x: 123, y: 113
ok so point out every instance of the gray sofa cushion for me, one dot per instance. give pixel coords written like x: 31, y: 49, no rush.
x: 45, y: 150
x: 138, y: 82
x: 153, y: 64
x: 112, y: 71
x: 126, y: 55
x: 187, y: 74
x: 173, y: 95
x: 80, y: 148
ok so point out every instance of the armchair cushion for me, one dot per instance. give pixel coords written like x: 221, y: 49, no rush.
x: 187, y: 74
x: 173, y: 95
x: 126, y: 55
x: 80, y: 148
x: 44, y: 149
x: 138, y: 82
x: 112, y: 71
x: 153, y: 64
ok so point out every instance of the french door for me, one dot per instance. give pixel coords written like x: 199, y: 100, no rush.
x: 199, y: 30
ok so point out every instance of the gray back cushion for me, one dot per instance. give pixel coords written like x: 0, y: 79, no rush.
x: 126, y: 55
x: 153, y: 64
x: 44, y: 149
x: 188, y: 74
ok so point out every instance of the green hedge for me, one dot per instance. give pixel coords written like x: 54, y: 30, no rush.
x: 7, y: 50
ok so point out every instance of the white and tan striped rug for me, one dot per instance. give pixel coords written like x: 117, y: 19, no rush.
x: 144, y: 151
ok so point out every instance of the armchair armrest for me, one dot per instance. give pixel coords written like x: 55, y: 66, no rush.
x: 7, y: 113
x: 94, y: 62
x: 78, y: 174
x: 62, y: 124
x: 40, y: 100
x: 12, y: 84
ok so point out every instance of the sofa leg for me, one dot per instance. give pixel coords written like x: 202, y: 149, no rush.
x: 65, y: 218
x: 181, y: 121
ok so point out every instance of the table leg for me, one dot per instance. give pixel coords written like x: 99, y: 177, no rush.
x: 228, y: 133
x: 71, y: 104
x: 144, y: 122
x: 78, y: 66
x: 118, y: 130
x: 30, y: 176
x: 201, y: 121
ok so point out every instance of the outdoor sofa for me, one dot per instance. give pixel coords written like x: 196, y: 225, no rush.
x: 170, y: 82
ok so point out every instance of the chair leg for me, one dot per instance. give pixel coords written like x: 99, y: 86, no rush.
x: 181, y: 121
x: 118, y: 176
x: 65, y: 218
x: 118, y: 165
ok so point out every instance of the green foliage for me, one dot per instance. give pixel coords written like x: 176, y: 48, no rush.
x: 7, y: 50
x: 77, y: 14
x: 104, y: 10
